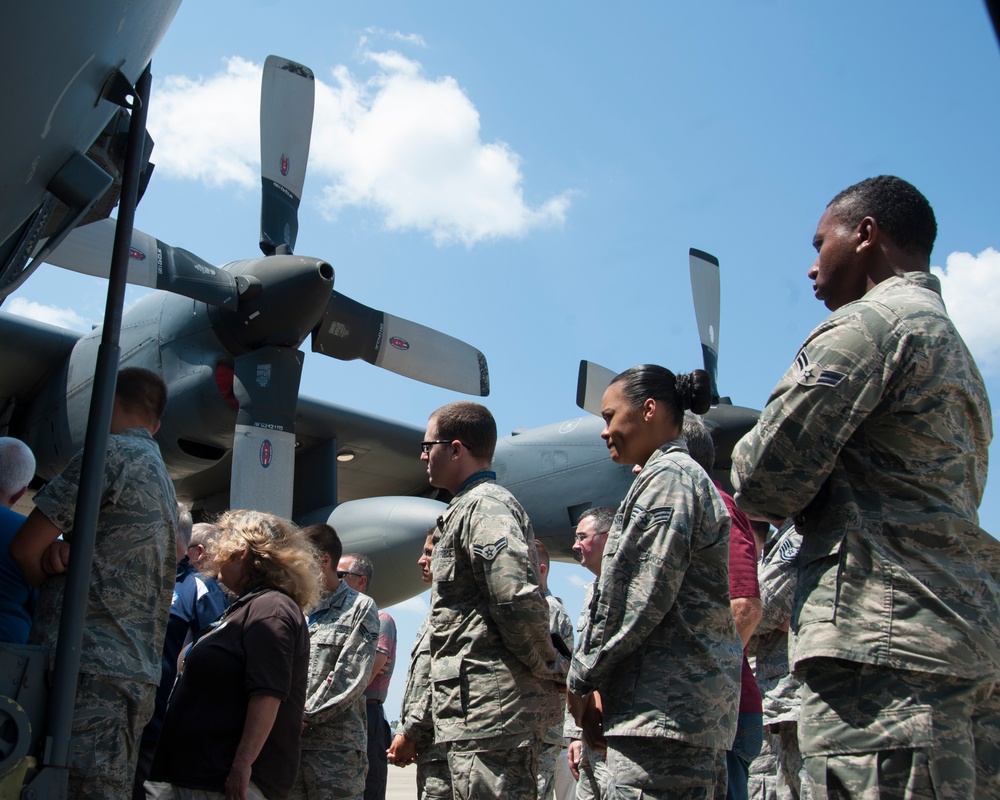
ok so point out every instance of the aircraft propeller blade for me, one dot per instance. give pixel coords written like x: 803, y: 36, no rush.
x: 706, y: 293
x: 590, y: 385
x: 287, y: 96
x: 350, y: 330
x: 152, y: 263
x: 266, y: 386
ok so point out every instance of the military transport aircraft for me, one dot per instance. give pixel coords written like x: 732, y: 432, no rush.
x: 226, y: 340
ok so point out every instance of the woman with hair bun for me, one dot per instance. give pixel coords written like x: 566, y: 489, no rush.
x: 656, y: 676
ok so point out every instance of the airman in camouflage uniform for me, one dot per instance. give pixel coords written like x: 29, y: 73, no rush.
x: 553, y: 742
x: 775, y: 772
x: 592, y: 766
x: 876, y: 441
x: 343, y: 630
x: 131, y: 584
x: 493, y: 665
x: 414, y: 739
x: 660, y: 642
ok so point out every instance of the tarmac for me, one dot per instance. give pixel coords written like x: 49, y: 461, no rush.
x: 402, y: 783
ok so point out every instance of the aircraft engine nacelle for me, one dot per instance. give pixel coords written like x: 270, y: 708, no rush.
x: 391, y: 532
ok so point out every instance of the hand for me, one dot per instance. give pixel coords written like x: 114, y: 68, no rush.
x: 574, y: 755
x: 402, y: 751
x: 237, y: 782
x: 55, y: 559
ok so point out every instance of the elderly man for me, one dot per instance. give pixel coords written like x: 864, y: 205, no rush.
x: 493, y: 665
x: 17, y: 597
x: 589, y: 766
x: 132, y: 577
x: 357, y: 571
x: 875, y: 442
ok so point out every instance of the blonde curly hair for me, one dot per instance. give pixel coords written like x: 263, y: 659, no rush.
x: 281, y: 556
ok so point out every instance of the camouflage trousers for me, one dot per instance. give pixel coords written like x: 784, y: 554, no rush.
x: 593, y: 775
x: 504, y: 773
x: 433, y: 780
x: 108, y: 717
x: 548, y: 759
x: 647, y: 768
x: 331, y: 774
x: 776, y: 773
x: 870, y: 732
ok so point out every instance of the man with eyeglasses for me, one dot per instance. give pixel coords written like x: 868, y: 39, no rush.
x: 494, y: 667
x: 588, y: 766
x: 357, y: 571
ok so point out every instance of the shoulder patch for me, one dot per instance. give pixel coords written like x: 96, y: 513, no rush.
x: 810, y: 374
x: 788, y: 551
x: 490, y: 551
x: 644, y: 520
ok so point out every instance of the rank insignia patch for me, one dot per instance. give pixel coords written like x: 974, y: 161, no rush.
x: 490, y: 551
x: 813, y: 374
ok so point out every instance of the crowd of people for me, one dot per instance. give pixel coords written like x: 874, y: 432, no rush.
x: 829, y: 629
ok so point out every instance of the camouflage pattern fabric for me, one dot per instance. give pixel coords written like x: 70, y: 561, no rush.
x: 553, y: 743
x: 660, y: 642
x: 594, y: 776
x: 494, y: 774
x: 870, y: 732
x: 682, y: 771
x: 343, y: 629
x: 132, y: 577
x: 416, y: 721
x: 337, y: 774
x: 775, y: 772
x: 108, y: 717
x: 493, y: 666
x: 433, y: 779
x: 876, y: 441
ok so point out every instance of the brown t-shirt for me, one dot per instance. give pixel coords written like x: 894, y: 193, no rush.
x: 260, y: 647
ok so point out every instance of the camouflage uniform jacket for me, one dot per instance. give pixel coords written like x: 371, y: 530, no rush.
x: 777, y: 576
x: 660, y: 642
x: 135, y: 560
x: 343, y: 629
x: 876, y: 440
x: 415, y: 719
x: 562, y: 626
x: 492, y: 661
x: 570, y: 729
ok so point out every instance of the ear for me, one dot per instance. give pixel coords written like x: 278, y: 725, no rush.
x: 649, y: 409
x: 866, y: 233
x: 17, y: 496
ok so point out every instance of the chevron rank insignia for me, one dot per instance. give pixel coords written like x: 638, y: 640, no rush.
x: 490, y: 551
x: 810, y: 374
x: 644, y: 520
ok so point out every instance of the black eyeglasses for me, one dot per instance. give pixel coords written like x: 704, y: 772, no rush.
x: 425, y: 447
x: 343, y: 574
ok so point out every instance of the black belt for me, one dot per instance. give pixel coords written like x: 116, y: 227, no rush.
x: 371, y: 702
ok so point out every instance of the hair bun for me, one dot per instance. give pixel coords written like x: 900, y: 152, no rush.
x: 694, y: 390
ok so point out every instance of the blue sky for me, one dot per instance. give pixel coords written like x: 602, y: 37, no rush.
x: 529, y: 177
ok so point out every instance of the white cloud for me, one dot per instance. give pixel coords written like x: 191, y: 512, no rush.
x: 971, y: 291
x: 53, y: 315
x: 399, y: 143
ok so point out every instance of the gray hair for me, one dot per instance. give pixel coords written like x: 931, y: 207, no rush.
x: 699, y: 441
x: 363, y: 566
x: 184, y: 526
x: 17, y: 467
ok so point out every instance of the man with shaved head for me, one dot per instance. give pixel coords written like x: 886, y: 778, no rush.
x: 876, y: 443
